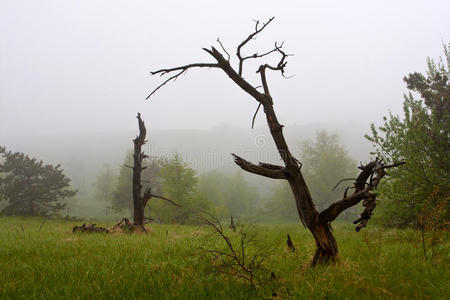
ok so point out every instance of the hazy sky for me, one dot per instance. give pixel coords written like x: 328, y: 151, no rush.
x: 83, y: 66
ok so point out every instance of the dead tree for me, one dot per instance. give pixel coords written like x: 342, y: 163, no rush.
x: 317, y: 222
x: 140, y: 199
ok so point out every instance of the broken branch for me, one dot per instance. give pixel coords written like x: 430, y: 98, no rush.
x: 267, y: 170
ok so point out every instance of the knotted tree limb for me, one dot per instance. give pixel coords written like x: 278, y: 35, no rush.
x: 374, y: 172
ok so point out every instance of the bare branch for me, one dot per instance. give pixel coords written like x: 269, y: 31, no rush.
x: 235, y: 260
x: 342, y: 180
x: 256, y: 112
x: 182, y: 69
x: 224, y: 50
x: 251, y: 36
x: 373, y: 171
x: 164, y: 198
x: 280, y: 67
x: 281, y: 64
x: 275, y: 172
x: 256, y: 55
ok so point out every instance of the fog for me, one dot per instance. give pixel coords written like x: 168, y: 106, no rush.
x: 83, y: 66
x: 73, y: 74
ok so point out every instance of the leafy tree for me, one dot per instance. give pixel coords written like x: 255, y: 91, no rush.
x: 178, y: 183
x: 421, y: 138
x: 30, y: 187
x: 123, y: 197
x: 281, y: 202
x: 105, y: 184
x: 230, y: 194
x: 240, y: 196
x: 325, y: 162
x: 212, y: 185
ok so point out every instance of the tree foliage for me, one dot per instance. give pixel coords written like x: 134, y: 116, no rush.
x: 230, y: 194
x: 281, y: 202
x: 325, y: 163
x: 420, y: 137
x: 31, y: 187
x: 105, y: 185
x: 178, y: 183
x: 123, y: 197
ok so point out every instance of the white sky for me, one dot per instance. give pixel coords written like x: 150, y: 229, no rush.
x: 83, y: 66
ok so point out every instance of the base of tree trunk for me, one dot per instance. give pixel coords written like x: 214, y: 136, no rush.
x: 323, y: 256
x: 327, y: 250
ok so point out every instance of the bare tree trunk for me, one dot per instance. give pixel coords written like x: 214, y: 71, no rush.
x: 327, y: 249
x: 139, y: 201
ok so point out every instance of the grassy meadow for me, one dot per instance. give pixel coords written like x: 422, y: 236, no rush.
x: 42, y: 259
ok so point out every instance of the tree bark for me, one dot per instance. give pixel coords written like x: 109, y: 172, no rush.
x: 139, y: 200
x: 327, y: 249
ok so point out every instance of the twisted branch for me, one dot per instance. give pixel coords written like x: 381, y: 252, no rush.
x: 374, y: 172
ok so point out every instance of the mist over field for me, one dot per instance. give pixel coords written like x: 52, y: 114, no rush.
x: 83, y: 156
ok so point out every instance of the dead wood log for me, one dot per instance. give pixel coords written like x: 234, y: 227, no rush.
x: 90, y: 229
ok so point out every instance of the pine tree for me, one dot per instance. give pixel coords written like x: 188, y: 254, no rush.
x: 30, y: 187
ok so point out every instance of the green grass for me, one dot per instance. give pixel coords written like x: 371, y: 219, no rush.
x: 46, y: 261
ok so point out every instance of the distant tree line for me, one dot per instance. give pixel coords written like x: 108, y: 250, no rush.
x: 225, y: 194
x: 420, y: 137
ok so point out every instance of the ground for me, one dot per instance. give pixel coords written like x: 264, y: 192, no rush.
x: 44, y: 259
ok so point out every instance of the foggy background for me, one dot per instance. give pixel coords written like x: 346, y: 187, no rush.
x: 73, y: 75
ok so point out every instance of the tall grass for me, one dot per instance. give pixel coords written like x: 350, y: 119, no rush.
x: 45, y: 260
